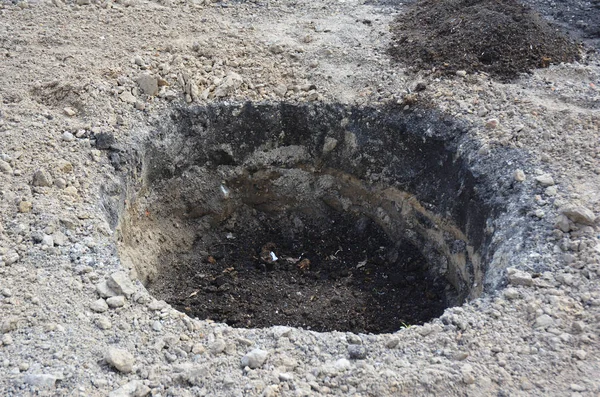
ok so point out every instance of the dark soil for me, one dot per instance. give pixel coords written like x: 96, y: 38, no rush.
x: 339, y: 273
x: 580, y: 17
x: 500, y: 37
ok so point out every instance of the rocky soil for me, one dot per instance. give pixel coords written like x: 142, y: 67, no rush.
x: 73, y: 323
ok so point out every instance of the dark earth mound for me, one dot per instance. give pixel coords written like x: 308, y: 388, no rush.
x: 500, y: 37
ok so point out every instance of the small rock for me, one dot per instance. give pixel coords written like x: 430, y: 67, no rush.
x: 60, y: 183
x: 578, y: 327
x: 392, y: 342
x: 25, y: 206
x: 68, y: 137
x: 218, y: 346
x: 99, y: 306
x: 580, y: 354
x: 127, y: 97
x: 104, y: 290
x: 353, y: 339
x: 544, y: 321
x: 120, y: 359
x: 280, y: 90
x: 68, y: 110
x: 231, y: 82
x: 545, y: 180
x: 551, y: 191
x: 43, y: 381
x: 103, y: 323
x: 148, y: 84
x: 157, y: 326
x: 198, y: 348
x: 121, y: 284
x: 135, y: 388
x: 357, y: 352
x: 518, y: 277
x: 580, y: 214
x: 116, y: 301
x: 6, y: 340
x: 11, y: 257
x: 329, y: 145
x: 520, y: 176
x: 48, y: 240
x: 461, y: 73
x: 5, y: 168
x: 59, y: 238
x: 511, y: 293
x: 254, y: 359
x: 276, y: 48
x: 491, y: 124
x: 562, y: 223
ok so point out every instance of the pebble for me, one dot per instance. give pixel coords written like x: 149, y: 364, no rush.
x: 48, y: 241
x: 518, y: 277
x: 99, y: 306
x: 157, y: 326
x: 254, y: 359
x: 104, y: 290
x: 120, y: 359
x: 68, y: 137
x: 11, y: 258
x: 357, y: 352
x: 580, y: 214
x: 127, y: 97
x: 6, y: 340
x: 135, y: 388
x: 461, y: 73
x: 545, y: 180
x: 580, y: 354
x: 520, y: 176
x: 25, y: 206
x: 148, y: 84
x: 121, y: 283
x: 5, y: 167
x: 544, y: 321
x: 103, y: 323
x: 116, y: 301
x: 43, y: 381
x: 60, y: 183
x: 69, y: 111
x: 492, y: 124
x: 218, y: 346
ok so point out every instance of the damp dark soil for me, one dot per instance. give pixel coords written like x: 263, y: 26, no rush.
x: 500, y: 37
x: 340, y: 272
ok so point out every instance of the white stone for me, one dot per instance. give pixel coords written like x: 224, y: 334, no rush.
x: 99, y: 306
x: 43, y: 381
x: 255, y: 358
x: 120, y: 359
x: 545, y: 180
x: 116, y: 301
x: 121, y: 284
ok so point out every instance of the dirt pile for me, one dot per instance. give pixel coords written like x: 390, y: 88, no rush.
x: 499, y: 37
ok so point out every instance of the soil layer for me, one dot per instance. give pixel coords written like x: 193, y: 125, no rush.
x: 342, y: 273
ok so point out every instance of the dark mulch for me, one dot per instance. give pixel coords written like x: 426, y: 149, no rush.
x: 500, y: 37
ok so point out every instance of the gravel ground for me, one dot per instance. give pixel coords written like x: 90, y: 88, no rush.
x: 73, y: 71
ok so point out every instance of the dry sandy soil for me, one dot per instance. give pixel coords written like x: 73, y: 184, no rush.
x: 72, y: 72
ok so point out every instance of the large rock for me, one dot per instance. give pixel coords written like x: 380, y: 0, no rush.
x: 580, y: 214
x: 120, y: 359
